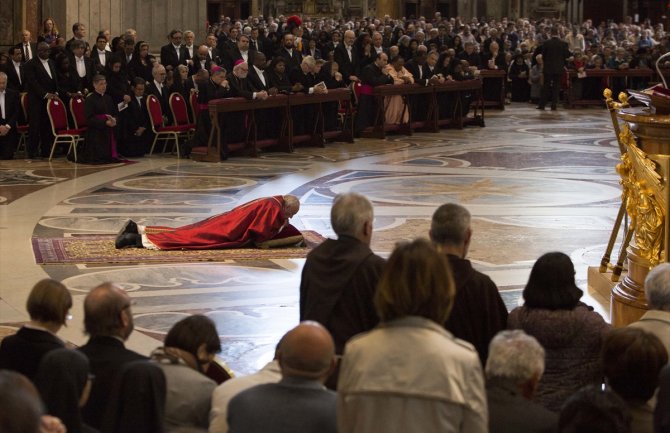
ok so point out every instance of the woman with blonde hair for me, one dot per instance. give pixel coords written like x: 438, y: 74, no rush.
x: 409, y: 373
x: 49, y: 33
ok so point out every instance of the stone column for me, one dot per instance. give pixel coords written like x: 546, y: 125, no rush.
x: 388, y: 7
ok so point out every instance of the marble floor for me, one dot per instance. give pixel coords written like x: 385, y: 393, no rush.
x: 533, y: 181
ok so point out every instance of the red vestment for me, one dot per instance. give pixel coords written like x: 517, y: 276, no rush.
x: 256, y: 221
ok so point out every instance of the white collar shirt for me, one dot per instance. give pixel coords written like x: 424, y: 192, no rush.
x: 45, y: 63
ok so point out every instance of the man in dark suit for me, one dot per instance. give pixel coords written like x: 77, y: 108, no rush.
x: 161, y: 91
x: 373, y: 75
x: 40, y: 74
x: 81, y: 67
x: 10, y: 107
x: 298, y: 403
x: 28, y: 48
x: 128, y: 49
x: 513, y: 370
x: 79, y: 31
x: 213, y: 53
x: 473, y: 58
x: 201, y: 60
x: 174, y: 53
x: 108, y: 320
x: 347, y: 57
x: 255, y: 42
x: 14, y: 69
x: 289, y: 52
x: 554, y: 53
x: 240, y: 52
x: 99, y: 55
x: 135, y: 123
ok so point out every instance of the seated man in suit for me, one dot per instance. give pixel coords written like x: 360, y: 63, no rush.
x: 215, y: 87
x: 513, y: 370
x: 10, y: 107
x: 304, y: 115
x: 374, y: 74
x: 108, y: 320
x: 298, y: 403
x: 161, y: 91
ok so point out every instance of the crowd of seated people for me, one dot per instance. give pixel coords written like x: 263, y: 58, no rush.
x: 420, y: 342
x: 339, y: 52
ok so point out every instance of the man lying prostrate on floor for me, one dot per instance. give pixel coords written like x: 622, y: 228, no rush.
x: 255, y: 223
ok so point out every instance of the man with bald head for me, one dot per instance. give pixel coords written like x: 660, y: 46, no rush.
x: 108, y: 322
x: 299, y: 403
x: 346, y: 56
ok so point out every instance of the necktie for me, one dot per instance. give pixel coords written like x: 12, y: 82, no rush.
x: 2, y: 105
x: 29, y: 54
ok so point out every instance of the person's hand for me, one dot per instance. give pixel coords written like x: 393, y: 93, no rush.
x: 273, y: 91
x: 406, y: 79
x: 353, y: 78
x: 111, y: 122
x: 51, y: 424
x: 225, y: 84
x: 320, y: 90
x: 126, y: 99
x: 262, y: 95
x: 4, y: 129
x: 52, y: 96
x: 297, y: 87
x: 140, y: 131
x: 338, y: 76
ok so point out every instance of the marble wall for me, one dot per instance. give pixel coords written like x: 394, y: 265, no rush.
x: 153, y: 19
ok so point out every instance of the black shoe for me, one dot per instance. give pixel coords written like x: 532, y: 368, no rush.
x: 129, y: 227
x: 553, y: 108
x: 539, y: 108
x: 128, y: 240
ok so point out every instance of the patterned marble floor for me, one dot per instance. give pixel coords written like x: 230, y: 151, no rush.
x: 534, y: 182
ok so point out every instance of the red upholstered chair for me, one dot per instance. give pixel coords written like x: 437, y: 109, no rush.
x: 22, y: 128
x: 162, y: 132
x: 195, y: 107
x: 180, y: 113
x: 62, y: 132
x: 78, y: 112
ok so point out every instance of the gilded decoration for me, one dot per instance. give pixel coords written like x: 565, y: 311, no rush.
x: 642, y: 190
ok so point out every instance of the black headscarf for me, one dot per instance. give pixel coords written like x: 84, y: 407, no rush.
x: 61, y: 378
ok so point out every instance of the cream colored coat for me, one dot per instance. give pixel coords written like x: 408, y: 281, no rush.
x: 411, y: 375
x: 656, y: 322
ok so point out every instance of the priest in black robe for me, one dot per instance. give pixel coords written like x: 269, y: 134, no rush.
x: 101, y: 116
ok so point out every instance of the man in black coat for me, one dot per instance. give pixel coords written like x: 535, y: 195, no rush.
x: 10, y: 107
x: 14, y: 70
x: 340, y: 276
x: 99, y: 55
x: 81, y: 67
x: 346, y: 56
x: 374, y: 74
x: 289, y: 52
x: 240, y: 52
x: 213, y: 53
x: 28, y: 48
x: 174, y: 53
x: 108, y: 320
x: 136, y: 129
x: 40, y: 73
x: 478, y: 312
x: 554, y: 53
x: 513, y: 371
x: 161, y: 91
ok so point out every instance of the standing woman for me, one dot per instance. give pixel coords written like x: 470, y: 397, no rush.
x: 49, y: 32
x: 142, y: 62
x: 571, y: 333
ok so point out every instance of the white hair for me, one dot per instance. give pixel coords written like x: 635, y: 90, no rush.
x: 514, y: 355
x: 657, y: 287
x: 349, y: 213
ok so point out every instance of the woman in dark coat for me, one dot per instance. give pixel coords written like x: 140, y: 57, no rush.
x: 570, y: 331
x: 118, y: 85
x: 142, y: 62
x: 518, y: 79
x: 101, y: 115
x: 277, y: 77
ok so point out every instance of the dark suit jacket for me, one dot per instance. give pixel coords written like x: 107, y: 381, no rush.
x: 234, y: 55
x: 95, y: 57
x: 107, y: 356
x: 509, y: 412
x: 298, y: 76
x: 473, y: 59
x: 163, y: 98
x: 255, y: 82
x: 33, y: 49
x: 240, y: 87
x: 373, y: 76
x: 661, y: 414
x: 13, y: 81
x: 23, y: 351
x: 554, y: 52
x: 347, y: 67
x: 169, y: 56
x: 292, y: 59
x: 87, y: 81
x: 12, y: 109
x: 215, y: 56
x: 38, y: 83
x: 421, y: 73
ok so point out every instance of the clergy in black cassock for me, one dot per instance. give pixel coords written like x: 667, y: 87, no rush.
x: 101, y: 115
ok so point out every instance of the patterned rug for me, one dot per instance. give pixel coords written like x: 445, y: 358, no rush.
x: 100, y: 249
